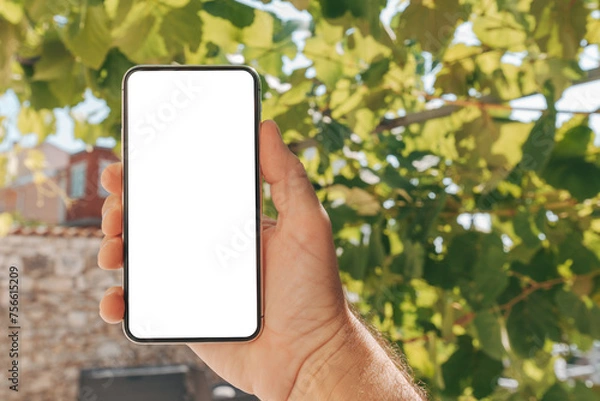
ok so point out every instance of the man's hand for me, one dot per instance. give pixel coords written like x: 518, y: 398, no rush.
x: 312, y: 347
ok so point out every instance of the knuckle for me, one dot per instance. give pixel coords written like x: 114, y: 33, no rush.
x: 297, y: 168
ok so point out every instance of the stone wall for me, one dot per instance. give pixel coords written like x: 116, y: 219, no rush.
x: 62, y: 333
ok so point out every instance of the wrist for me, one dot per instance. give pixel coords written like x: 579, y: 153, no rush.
x: 352, y: 366
x: 326, y: 366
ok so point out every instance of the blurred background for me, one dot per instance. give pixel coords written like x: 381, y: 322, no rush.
x: 455, y: 145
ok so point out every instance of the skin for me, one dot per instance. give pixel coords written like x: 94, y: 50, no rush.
x: 312, y: 346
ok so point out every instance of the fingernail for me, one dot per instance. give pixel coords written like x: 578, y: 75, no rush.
x: 112, y: 290
x: 106, y: 211
x: 277, y: 128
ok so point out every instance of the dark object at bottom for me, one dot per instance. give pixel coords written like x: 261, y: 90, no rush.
x: 146, y: 383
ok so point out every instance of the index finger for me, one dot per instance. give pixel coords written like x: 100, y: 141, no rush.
x: 111, y: 178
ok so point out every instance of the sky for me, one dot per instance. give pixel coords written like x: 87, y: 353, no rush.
x: 580, y: 98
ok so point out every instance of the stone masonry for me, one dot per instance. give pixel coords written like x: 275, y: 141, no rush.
x: 62, y: 333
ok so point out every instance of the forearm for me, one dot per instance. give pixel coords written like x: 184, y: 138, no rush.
x: 354, y: 366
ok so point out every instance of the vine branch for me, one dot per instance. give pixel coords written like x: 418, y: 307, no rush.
x: 500, y: 106
x: 507, y: 307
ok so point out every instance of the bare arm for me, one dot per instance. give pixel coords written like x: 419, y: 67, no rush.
x: 353, y: 365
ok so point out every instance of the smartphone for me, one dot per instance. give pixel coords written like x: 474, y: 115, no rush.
x: 191, y: 204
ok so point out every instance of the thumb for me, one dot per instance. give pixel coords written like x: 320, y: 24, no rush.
x: 291, y: 191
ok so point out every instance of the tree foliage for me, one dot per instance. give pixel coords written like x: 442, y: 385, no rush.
x: 407, y: 191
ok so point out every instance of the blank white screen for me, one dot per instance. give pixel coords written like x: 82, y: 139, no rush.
x: 191, y: 243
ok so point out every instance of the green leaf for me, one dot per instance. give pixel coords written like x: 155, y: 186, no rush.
x: 376, y: 250
x: 333, y: 135
x: 556, y: 393
x: 593, y: 31
x: 42, y: 96
x: 296, y: 94
x: 55, y: 61
x: 595, y: 322
x: 455, y: 77
x: 459, y: 52
x: 44, y: 11
x: 574, y: 143
x: 366, y: 9
x: 220, y: 32
x: 88, y: 35
x: 580, y: 178
x: 542, y: 267
x: 294, y: 118
x: 40, y: 122
x: 523, y: 226
x: 510, y: 82
x: 327, y: 62
x: 365, y: 48
x: 182, y: 26
x: 486, y: 372
x: 394, y: 179
x: 469, y: 368
x: 463, y: 254
x: 574, y: 310
x: 583, y: 259
x: 342, y: 215
x: 373, y: 76
x: 333, y: 8
x: 582, y: 393
x: 68, y: 90
x: 457, y: 368
x: 540, y: 143
x: 259, y: 48
x: 360, y: 200
x: 567, y: 167
x: 300, y: 4
x: 11, y: 11
x: 559, y: 392
x: 560, y: 73
x: 349, y: 103
x: 489, y: 281
x: 110, y: 75
x: 64, y: 85
x: 117, y: 10
x: 559, y: 37
x: 10, y: 37
x: 500, y: 30
x: 89, y: 133
x: 177, y: 3
x: 436, y: 24
x: 489, y: 334
x: 283, y: 30
x: 239, y: 14
x: 138, y: 37
x: 134, y: 26
x: 363, y: 122
x: 438, y: 273
x: 530, y: 323
x: 485, y: 278
x: 260, y: 33
x: 411, y: 262
x: 354, y: 260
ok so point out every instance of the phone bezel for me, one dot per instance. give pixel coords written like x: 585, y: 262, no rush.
x: 258, y: 200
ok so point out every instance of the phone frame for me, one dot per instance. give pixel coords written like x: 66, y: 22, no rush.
x: 258, y: 202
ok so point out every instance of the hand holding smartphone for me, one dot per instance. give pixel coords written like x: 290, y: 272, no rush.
x: 191, y: 204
